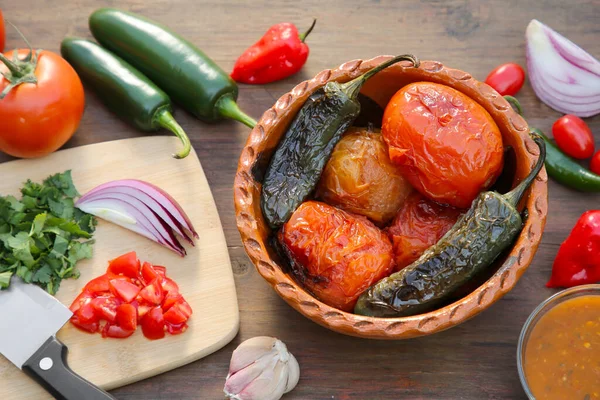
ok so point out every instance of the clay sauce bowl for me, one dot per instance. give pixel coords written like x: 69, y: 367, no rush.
x: 502, y: 276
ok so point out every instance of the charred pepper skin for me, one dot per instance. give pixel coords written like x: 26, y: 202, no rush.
x: 301, y: 156
x: 474, y: 242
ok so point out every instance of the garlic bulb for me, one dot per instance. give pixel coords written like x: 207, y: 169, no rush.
x: 261, y: 368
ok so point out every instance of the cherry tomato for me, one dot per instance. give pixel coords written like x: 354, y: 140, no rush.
x: 153, y: 324
x: 2, y: 33
x: 419, y: 224
x: 446, y: 144
x: 153, y: 293
x: 595, y: 163
x: 124, y: 289
x: 38, y: 118
x: 573, y: 136
x: 127, y: 265
x: 127, y: 317
x: 336, y: 255
x: 506, y: 79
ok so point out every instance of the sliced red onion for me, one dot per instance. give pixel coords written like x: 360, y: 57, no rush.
x: 562, y: 74
x: 152, y: 196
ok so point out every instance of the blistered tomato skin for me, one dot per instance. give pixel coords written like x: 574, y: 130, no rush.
x: 419, y: 224
x: 360, y: 177
x: 334, y: 254
x: 446, y: 144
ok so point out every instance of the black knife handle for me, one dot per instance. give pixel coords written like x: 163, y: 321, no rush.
x: 48, y: 366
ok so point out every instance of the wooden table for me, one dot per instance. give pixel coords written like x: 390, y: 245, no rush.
x: 473, y: 361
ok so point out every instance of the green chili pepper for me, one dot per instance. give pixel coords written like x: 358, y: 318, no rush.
x: 188, y: 75
x: 123, y: 89
x: 301, y: 155
x: 560, y: 166
x: 488, y: 228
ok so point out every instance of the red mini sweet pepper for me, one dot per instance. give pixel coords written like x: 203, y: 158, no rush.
x: 578, y: 258
x: 281, y: 52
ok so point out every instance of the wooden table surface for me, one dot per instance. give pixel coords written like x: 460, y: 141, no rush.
x: 475, y: 360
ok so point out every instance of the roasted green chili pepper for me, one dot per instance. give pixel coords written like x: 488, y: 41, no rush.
x: 123, y: 89
x: 301, y: 155
x: 560, y: 166
x: 188, y: 75
x: 474, y: 242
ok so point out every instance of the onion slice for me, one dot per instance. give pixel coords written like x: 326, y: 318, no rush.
x: 142, y: 208
x: 562, y: 74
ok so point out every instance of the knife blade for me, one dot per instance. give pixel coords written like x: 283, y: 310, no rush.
x: 29, y: 320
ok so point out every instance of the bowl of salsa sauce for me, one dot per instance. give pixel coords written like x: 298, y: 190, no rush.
x: 559, y: 348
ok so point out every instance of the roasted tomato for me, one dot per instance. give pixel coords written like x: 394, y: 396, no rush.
x: 334, y: 254
x: 419, y: 225
x: 446, y: 144
x: 360, y: 177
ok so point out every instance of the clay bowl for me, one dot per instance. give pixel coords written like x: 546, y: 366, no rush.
x: 502, y: 276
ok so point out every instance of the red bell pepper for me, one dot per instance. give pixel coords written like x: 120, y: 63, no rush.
x: 281, y: 52
x: 578, y: 261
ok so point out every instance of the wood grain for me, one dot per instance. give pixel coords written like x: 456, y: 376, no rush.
x: 475, y: 360
x: 203, y: 275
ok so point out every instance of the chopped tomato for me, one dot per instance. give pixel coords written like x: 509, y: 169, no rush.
x: 169, y: 285
x: 91, y: 327
x: 184, y: 307
x: 79, y: 300
x: 176, y: 329
x: 99, y: 284
x: 162, y: 271
x: 153, y: 324
x: 170, y: 299
x: 127, y: 317
x: 175, y: 316
x: 148, y: 273
x: 105, y: 307
x: 143, y: 310
x: 153, y: 293
x: 127, y: 265
x: 115, y: 331
x: 125, y: 290
x: 86, y: 312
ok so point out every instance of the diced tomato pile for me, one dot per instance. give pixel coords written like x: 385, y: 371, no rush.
x: 128, y: 295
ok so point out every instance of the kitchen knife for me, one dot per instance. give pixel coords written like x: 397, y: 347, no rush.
x: 29, y: 320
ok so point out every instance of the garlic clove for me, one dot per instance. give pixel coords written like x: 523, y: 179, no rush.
x: 293, y: 375
x: 250, y: 351
x: 261, y: 368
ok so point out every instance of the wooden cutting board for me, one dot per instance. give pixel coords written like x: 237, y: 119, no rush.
x: 204, y: 275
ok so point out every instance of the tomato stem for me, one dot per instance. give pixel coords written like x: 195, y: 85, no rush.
x: 14, y: 69
x: 305, y: 34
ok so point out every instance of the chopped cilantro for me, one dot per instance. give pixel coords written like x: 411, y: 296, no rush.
x: 43, y: 236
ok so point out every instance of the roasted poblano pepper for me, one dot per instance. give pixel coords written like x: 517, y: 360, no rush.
x: 474, y: 242
x: 296, y: 166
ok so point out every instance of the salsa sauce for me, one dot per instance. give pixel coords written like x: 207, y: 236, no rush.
x: 562, y: 355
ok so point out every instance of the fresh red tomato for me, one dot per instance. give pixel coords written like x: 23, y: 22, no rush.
x: 127, y: 317
x: 124, y: 289
x: 169, y: 285
x: 506, y: 79
x: 162, y: 271
x: 87, y: 312
x: 2, y: 33
x: 105, y: 307
x: 573, y: 136
x: 80, y: 300
x: 176, y: 329
x: 115, y: 331
x: 170, y: 299
x: 175, y: 316
x: 148, y: 272
x: 153, y: 293
x: 184, y: 307
x: 98, y: 285
x: 153, y: 324
x: 595, y: 163
x: 91, y: 327
x: 38, y: 118
x: 127, y: 265
x: 143, y: 310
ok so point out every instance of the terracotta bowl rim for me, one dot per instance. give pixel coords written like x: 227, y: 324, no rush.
x: 505, y: 278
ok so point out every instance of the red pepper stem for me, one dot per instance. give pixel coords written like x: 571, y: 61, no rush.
x: 514, y: 196
x: 165, y: 119
x: 352, y: 88
x: 227, y: 107
x: 305, y: 34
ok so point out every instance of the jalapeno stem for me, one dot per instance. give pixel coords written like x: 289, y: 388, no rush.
x: 352, y: 88
x: 165, y: 119
x: 514, y: 196
x: 227, y: 107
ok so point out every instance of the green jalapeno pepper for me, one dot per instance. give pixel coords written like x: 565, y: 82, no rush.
x: 488, y: 228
